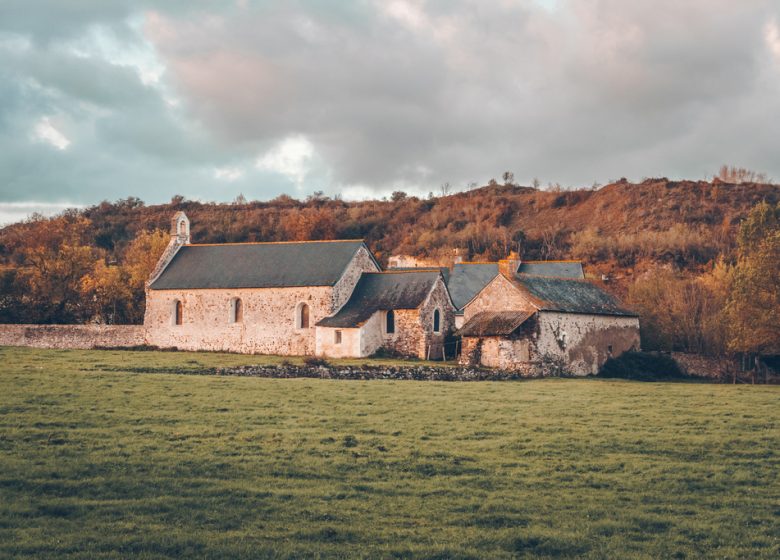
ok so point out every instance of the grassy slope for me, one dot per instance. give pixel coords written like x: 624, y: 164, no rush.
x: 108, y: 464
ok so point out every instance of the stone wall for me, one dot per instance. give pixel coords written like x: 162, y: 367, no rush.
x: 361, y: 262
x: 582, y: 342
x: 72, y: 336
x: 499, y: 295
x: 698, y: 365
x: 438, y: 299
x: 268, y: 326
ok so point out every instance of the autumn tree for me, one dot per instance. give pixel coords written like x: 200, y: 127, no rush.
x: 140, y: 259
x: 54, y: 258
x: 754, y: 303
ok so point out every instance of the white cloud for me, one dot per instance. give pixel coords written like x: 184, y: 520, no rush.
x: 228, y: 173
x: 292, y: 157
x: 11, y: 212
x: 44, y: 131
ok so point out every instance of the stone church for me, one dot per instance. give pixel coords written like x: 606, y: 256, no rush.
x: 326, y: 298
x: 332, y: 299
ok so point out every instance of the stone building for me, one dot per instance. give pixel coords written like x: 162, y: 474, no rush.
x: 331, y: 298
x: 407, y: 312
x: 272, y: 298
x: 543, y: 317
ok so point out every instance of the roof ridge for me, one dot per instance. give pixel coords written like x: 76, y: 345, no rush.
x: 477, y: 262
x: 391, y: 271
x: 274, y: 242
x: 553, y: 261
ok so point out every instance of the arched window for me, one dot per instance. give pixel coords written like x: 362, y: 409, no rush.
x: 178, y: 312
x: 390, y: 322
x: 436, y: 321
x: 236, y: 310
x: 302, y: 316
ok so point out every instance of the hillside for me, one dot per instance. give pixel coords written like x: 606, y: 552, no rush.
x: 621, y: 229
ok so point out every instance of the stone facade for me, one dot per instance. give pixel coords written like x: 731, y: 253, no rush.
x: 499, y: 295
x: 72, y: 336
x: 508, y: 353
x: 583, y: 342
x: 550, y: 342
x: 414, y: 335
x: 269, y: 324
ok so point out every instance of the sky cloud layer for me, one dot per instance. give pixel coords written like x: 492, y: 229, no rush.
x: 104, y: 100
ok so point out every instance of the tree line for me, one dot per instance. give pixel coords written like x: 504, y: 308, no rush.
x: 694, y: 258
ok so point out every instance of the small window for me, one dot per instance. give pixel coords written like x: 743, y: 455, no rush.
x: 436, y: 321
x: 609, y: 350
x: 390, y: 322
x: 302, y: 316
x: 236, y: 310
x: 337, y: 337
x: 178, y: 313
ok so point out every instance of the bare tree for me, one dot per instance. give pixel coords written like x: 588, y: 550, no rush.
x: 446, y: 188
x: 509, y: 178
x: 737, y: 175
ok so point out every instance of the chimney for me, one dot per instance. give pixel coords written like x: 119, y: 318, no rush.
x: 508, y: 266
x: 457, y: 255
x: 180, y: 228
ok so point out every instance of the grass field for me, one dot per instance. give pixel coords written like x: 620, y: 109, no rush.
x: 96, y: 463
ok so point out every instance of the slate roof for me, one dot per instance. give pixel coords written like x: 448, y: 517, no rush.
x: 257, y: 265
x: 381, y: 291
x: 495, y: 323
x: 571, y: 296
x: 445, y: 271
x: 555, y: 269
x: 467, y: 280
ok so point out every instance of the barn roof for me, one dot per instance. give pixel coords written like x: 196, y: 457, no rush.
x: 381, y: 291
x: 495, y: 323
x: 468, y: 279
x: 554, y: 269
x: 571, y: 296
x: 257, y: 265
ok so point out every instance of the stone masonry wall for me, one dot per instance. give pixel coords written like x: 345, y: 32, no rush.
x: 582, y: 341
x: 499, y: 295
x: 72, y: 336
x: 361, y: 262
x: 438, y: 299
x: 268, y: 326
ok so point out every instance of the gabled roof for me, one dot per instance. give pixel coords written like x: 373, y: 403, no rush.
x: 495, y: 323
x: 570, y: 296
x: 468, y: 279
x: 555, y: 269
x: 382, y: 291
x: 257, y: 265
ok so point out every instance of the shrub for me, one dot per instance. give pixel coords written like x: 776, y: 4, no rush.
x: 641, y: 366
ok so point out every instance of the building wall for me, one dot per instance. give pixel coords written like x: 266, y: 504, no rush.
x: 269, y: 322
x: 582, y: 341
x: 438, y: 299
x: 349, y: 347
x: 496, y: 352
x: 268, y: 327
x: 360, y: 263
x: 499, y: 295
x: 72, y: 336
x: 371, y: 334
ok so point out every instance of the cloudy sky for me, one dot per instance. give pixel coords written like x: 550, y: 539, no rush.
x: 209, y: 99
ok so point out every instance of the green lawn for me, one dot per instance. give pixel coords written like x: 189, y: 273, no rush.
x: 96, y: 463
